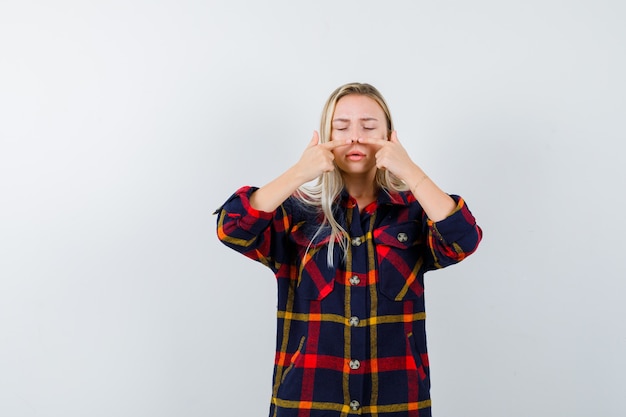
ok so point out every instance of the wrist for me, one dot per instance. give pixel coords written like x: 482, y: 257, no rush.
x: 296, y: 176
x: 416, y: 178
x: 419, y: 182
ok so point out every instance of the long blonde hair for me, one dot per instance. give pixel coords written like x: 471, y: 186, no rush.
x: 329, y: 185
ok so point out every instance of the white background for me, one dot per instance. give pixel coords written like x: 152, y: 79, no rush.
x: 124, y: 124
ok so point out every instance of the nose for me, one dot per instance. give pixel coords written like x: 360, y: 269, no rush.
x: 354, y: 135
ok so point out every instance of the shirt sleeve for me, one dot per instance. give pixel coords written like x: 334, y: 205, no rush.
x: 454, y: 238
x: 259, y: 235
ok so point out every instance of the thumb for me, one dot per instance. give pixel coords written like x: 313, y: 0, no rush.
x: 314, y: 140
x: 394, y: 137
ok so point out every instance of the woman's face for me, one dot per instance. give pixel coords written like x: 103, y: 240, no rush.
x: 357, y: 116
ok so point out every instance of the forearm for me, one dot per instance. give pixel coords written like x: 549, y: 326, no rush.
x: 437, y: 204
x: 269, y: 197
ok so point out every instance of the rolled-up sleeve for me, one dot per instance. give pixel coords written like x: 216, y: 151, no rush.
x: 454, y: 238
x: 254, y: 233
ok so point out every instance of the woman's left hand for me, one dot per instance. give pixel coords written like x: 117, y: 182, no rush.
x: 391, y: 155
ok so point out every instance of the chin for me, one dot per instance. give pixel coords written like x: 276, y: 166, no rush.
x: 360, y: 171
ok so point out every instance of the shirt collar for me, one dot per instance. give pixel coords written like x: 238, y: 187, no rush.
x: 391, y: 197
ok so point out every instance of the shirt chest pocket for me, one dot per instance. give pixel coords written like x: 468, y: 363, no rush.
x: 315, y: 278
x: 400, y: 252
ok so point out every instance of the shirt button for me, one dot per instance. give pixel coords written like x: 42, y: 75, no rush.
x: 354, y: 321
x: 356, y: 241
x: 355, y: 405
x: 402, y: 237
x: 355, y: 364
x: 355, y: 280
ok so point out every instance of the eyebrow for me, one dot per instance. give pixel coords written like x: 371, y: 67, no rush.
x: 363, y: 119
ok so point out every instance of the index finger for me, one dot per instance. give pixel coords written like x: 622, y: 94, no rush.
x: 378, y: 142
x: 332, y: 144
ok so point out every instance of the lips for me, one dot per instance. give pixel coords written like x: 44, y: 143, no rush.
x: 355, y: 156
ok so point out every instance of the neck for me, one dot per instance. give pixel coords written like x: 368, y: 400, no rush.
x: 362, y: 189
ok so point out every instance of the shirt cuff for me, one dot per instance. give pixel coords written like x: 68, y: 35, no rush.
x: 458, y: 224
x: 250, y: 219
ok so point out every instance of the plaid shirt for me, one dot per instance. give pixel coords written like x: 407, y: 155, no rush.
x: 351, y: 338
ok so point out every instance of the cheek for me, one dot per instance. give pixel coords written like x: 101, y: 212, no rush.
x: 339, y: 152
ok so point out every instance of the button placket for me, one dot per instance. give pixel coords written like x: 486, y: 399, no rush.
x: 360, y: 240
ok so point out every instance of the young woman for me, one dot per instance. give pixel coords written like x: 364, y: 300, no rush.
x: 349, y: 254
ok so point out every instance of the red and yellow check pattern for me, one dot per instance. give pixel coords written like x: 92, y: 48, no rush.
x: 351, y: 338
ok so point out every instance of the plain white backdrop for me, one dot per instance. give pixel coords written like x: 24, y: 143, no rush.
x: 124, y: 124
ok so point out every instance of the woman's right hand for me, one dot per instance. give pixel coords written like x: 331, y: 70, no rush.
x: 317, y: 158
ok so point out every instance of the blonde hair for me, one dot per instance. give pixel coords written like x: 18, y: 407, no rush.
x: 329, y: 185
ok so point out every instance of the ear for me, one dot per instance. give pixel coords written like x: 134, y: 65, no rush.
x: 394, y: 137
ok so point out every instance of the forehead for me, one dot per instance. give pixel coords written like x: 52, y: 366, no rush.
x: 358, y: 106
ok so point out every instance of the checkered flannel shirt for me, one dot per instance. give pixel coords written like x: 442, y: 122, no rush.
x: 351, y: 338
